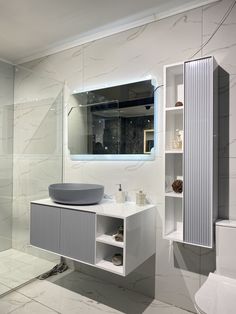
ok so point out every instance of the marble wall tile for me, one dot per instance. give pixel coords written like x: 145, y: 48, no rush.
x: 223, y: 47
x: 32, y: 87
x: 134, y: 55
x: 177, y: 272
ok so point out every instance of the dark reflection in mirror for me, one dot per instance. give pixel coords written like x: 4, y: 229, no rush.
x: 114, y: 120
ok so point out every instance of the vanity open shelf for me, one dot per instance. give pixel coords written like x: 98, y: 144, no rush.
x: 106, y: 228
x: 106, y: 245
x: 174, y: 219
x: 174, y: 151
x: 109, y: 239
x: 104, y: 255
x: 86, y: 233
x: 174, y: 194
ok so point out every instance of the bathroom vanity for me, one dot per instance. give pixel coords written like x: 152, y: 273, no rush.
x: 85, y: 233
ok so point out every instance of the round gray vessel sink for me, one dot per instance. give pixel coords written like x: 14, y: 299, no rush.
x: 76, y: 193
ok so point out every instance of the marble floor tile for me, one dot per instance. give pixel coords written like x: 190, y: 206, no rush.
x: 79, y: 293
x: 157, y: 307
x: 17, y: 268
x: 8, y: 265
x: 12, y: 301
x: 31, y: 308
x: 4, y: 289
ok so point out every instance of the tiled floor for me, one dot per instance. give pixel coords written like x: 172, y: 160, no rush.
x: 76, y: 293
x: 17, y: 268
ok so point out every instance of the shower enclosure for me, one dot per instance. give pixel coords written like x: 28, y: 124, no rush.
x: 31, y: 152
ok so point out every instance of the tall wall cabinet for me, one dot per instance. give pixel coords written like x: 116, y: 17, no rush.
x: 191, y: 115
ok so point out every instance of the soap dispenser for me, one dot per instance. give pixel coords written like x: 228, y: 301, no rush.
x: 120, y: 195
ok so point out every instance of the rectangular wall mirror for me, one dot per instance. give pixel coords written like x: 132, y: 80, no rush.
x: 113, y: 123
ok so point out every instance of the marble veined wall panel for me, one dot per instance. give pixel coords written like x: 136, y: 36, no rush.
x: 137, y: 54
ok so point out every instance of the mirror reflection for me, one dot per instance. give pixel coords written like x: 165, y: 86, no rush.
x: 115, y: 120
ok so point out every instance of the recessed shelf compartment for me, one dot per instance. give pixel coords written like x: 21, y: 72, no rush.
x: 173, y: 170
x: 106, y: 228
x: 174, y: 115
x: 174, y: 85
x: 174, y: 124
x: 106, y: 264
x: 174, y: 219
x: 104, y: 254
x: 106, y: 245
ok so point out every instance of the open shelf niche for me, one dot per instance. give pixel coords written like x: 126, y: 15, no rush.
x: 106, y: 245
x: 173, y: 117
x: 174, y: 85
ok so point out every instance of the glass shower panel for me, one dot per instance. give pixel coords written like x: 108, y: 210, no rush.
x: 6, y: 166
x: 6, y: 141
x: 37, y: 147
x: 37, y: 154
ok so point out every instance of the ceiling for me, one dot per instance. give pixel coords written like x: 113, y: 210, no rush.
x: 33, y: 28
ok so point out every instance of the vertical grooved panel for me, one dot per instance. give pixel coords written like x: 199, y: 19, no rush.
x: 198, y: 151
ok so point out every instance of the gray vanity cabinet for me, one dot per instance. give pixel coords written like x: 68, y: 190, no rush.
x: 77, y: 238
x: 85, y: 233
x: 45, y: 227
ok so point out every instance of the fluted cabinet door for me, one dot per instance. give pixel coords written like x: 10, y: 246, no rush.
x: 200, y: 151
x: 45, y: 227
x: 77, y: 238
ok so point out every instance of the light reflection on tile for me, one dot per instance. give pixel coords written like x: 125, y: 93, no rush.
x: 133, y: 55
x: 17, y: 268
x: 80, y: 293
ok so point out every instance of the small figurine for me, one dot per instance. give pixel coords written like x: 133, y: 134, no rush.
x: 119, y: 236
x: 178, y: 142
x: 179, y: 104
x: 177, y: 186
x: 117, y: 259
x: 179, y: 136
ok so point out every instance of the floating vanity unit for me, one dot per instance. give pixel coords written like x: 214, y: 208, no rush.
x: 85, y: 233
x: 191, y: 136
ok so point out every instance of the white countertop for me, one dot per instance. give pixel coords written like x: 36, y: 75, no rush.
x: 105, y: 207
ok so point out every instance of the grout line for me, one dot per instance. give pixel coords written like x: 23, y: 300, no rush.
x: 22, y: 305
x: 33, y: 298
x: 32, y: 301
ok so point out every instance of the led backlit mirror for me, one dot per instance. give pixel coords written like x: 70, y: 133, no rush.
x: 113, y: 123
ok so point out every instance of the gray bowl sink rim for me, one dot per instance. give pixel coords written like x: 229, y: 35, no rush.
x: 76, y: 193
x: 75, y: 186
